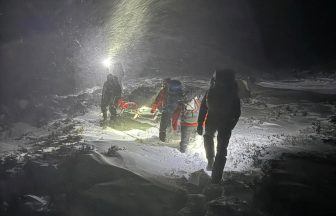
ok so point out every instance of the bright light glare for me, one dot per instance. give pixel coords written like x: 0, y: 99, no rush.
x: 107, y: 62
x: 145, y: 109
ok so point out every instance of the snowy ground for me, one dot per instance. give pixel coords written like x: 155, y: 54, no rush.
x: 319, y: 85
x: 258, y: 135
x: 265, y: 129
x: 272, y: 123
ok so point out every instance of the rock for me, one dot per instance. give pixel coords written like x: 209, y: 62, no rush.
x: 113, y: 151
x: 42, y: 176
x: 100, y: 188
x: 30, y: 205
x: 332, y: 119
x: 195, y: 206
x: 126, y: 196
x: 227, y: 206
x: 36, y: 203
x: 300, y: 184
x: 199, y: 178
x: 213, y: 191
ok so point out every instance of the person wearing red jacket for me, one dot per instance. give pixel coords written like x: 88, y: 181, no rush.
x: 167, y: 100
x: 187, y: 112
x: 161, y: 99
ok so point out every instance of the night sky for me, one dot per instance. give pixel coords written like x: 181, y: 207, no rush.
x: 294, y: 32
x: 300, y: 32
x: 46, y: 44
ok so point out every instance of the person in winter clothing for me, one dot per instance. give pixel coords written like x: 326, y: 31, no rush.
x: 220, y: 108
x: 188, y: 113
x: 110, y: 95
x: 161, y: 99
x: 168, y: 99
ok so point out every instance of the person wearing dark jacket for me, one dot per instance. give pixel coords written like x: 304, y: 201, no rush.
x: 110, y: 95
x: 168, y: 100
x: 220, y: 109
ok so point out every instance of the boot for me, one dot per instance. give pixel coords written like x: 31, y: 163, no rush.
x: 217, y: 171
x: 113, y: 113
x: 104, y: 116
x: 162, y: 136
x: 209, y: 151
x: 183, y: 148
x: 210, y: 164
x: 112, y: 118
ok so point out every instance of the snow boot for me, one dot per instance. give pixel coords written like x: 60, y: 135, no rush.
x: 112, y: 118
x: 182, y: 149
x: 162, y: 136
x: 104, y: 116
x: 217, y: 170
x: 183, y: 146
x: 210, y: 164
x: 209, y: 151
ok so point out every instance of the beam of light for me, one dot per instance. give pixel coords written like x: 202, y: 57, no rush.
x: 127, y: 25
x: 107, y: 62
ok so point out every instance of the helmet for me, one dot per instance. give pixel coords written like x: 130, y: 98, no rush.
x: 223, y: 77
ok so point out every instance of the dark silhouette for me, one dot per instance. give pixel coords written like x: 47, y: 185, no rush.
x: 220, y: 109
x: 110, y: 96
x: 168, y: 100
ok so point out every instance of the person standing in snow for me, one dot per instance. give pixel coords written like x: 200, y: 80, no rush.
x: 110, y: 95
x: 188, y: 113
x: 168, y: 100
x: 160, y: 100
x: 220, y: 109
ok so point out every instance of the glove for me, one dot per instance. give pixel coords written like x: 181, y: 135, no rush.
x: 200, y: 130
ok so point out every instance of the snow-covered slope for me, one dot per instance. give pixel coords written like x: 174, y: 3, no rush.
x: 319, y: 85
x: 263, y: 131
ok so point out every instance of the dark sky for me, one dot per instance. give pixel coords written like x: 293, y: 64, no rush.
x: 297, y: 32
x: 39, y: 39
x: 294, y: 32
